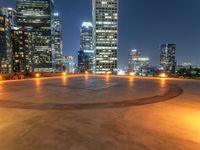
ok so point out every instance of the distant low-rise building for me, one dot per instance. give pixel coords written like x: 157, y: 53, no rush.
x: 138, y: 63
x: 68, y: 64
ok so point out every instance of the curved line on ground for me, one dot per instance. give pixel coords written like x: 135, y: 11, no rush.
x: 174, y: 91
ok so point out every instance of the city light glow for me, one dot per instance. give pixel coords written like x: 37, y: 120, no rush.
x: 86, y: 72
x: 121, y: 73
x: 163, y: 75
x: 108, y: 73
x: 132, y: 74
x: 37, y: 75
x: 64, y: 73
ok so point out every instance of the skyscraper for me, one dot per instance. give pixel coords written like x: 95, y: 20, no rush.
x: 37, y: 16
x: 58, y: 42
x: 138, y: 63
x: 10, y: 13
x: 5, y: 43
x: 168, y: 57
x: 21, y: 50
x: 86, y: 52
x: 105, y: 35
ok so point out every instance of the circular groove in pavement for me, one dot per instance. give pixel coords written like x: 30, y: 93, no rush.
x: 173, y: 92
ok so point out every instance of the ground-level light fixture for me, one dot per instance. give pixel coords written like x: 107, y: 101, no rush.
x: 64, y: 73
x: 131, y: 73
x: 163, y: 75
x: 37, y: 75
x: 86, y: 72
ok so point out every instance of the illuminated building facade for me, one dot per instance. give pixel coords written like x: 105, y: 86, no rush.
x: 138, y: 63
x: 58, y: 42
x: 168, y: 57
x: 105, y: 35
x: 5, y: 44
x: 10, y: 13
x: 37, y: 15
x: 21, y: 50
x: 86, y: 52
x: 69, y: 65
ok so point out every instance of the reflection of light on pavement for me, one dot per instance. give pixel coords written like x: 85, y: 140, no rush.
x: 163, y: 82
x: 64, y: 80
x: 1, y: 88
x: 38, y: 85
x: 86, y: 76
x: 107, y: 78
x: 192, y: 121
x: 131, y: 83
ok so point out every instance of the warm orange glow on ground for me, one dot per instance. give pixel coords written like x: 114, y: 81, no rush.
x: 163, y: 82
x: 64, y: 81
x: 107, y: 78
x: 131, y: 81
x: 193, y: 120
x: 1, y: 78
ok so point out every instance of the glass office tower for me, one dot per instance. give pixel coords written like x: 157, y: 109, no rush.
x: 58, y: 42
x: 5, y: 43
x: 86, y: 52
x: 168, y: 57
x: 21, y: 50
x: 37, y: 16
x: 10, y: 13
x: 105, y: 35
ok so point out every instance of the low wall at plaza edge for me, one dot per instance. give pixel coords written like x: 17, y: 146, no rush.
x: 21, y: 76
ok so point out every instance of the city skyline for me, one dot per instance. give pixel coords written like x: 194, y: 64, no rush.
x: 176, y: 24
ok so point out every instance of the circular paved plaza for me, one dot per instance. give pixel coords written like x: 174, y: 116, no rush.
x: 99, y: 112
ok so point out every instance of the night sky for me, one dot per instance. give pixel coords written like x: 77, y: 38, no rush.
x: 143, y: 25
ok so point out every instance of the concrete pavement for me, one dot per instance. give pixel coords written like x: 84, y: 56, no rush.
x: 100, y: 112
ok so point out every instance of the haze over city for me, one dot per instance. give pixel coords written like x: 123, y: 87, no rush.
x: 143, y: 25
